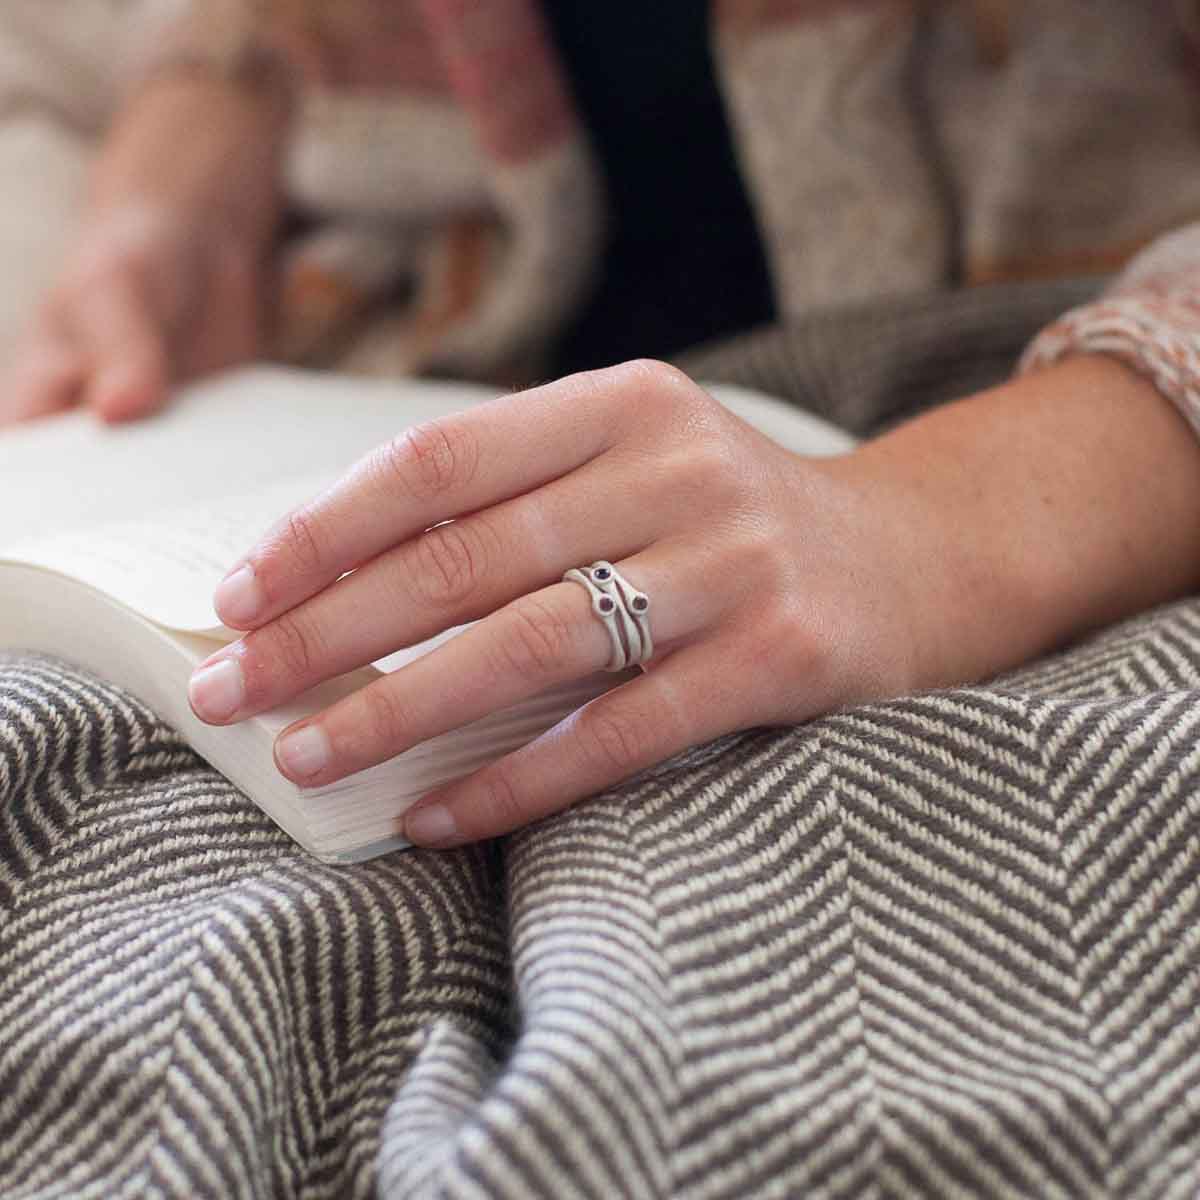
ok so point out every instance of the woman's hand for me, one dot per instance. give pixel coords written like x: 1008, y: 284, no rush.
x: 148, y: 297
x: 759, y: 566
x: 164, y: 279
x: 780, y: 587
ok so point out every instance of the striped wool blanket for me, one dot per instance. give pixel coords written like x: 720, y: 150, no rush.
x: 947, y: 945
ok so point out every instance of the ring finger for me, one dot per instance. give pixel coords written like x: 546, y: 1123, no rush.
x: 546, y: 638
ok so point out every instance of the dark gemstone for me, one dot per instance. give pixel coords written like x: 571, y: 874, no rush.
x: 607, y: 604
x: 641, y: 603
x: 602, y: 574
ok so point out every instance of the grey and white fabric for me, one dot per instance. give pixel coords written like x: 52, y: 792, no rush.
x: 947, y: 945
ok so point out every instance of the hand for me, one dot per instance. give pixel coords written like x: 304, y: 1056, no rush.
x: 969, y: 540
x: 149, y: 297
x: 164, y: 280
x: 776, y: 592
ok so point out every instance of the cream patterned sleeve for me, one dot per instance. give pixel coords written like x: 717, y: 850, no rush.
x: 1149, y: 319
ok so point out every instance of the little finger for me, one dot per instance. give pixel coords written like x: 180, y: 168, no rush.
x: 689, y: 700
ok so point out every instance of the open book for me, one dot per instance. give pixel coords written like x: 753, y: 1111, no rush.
x: 113, y: 540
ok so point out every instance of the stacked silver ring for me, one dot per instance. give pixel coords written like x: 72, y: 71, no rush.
x: 622, y: 608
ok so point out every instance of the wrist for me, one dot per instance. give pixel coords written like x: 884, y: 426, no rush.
x: 199, y: 146
x: 1028, y: 515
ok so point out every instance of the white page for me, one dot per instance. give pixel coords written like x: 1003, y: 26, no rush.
x: 156, y: 512
x: 166, y: 566
x: 228, y: 436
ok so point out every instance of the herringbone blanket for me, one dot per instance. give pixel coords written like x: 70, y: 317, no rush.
x: 943, y: 946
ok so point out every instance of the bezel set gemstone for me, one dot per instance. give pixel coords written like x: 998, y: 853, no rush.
x: 622, y: 609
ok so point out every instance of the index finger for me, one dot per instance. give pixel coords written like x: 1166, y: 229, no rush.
x: 428, y: 474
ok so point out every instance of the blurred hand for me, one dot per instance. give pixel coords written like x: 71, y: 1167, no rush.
x: 149, y: 296
x: 165, y: 277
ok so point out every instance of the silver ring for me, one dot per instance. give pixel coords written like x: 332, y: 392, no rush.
x: 623, y: 610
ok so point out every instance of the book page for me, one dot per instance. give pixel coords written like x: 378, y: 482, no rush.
x: 229, y: 435
x: 154, y: 513
x: 166, y: 566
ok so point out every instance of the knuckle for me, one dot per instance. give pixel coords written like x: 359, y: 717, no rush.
x: 48, y: 312
x: 97, y: 268
x: 579, y: 389
x: 538, y: 641
x: 782, y: 645
x: 450, y: 561
x: 291, y: 645
x: 669, y: 393
x: 56, y: 307
x: 134, y: 256
x: 709, y: 472
x: 711, y: 462
x: 765, y: 560
x: 612, y: 740
x: 501, y: 802
x: 661, y: 377
x: 111, y: 259
x: 384, y: 717
x: 302, y: 543
x: 50, y: 325
x: 431, y: 459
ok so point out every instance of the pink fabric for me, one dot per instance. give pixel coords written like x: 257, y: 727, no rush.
x: 1149, y: 319
x: 504, y: 73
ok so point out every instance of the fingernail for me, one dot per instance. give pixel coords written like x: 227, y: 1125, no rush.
x: 238, y: 598
x: 303, y: 753
x: 217, y: 692
x: 432, y: 825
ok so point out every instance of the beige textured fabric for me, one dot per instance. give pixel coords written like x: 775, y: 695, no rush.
x: 1077, y: 149
x: 847, y: 193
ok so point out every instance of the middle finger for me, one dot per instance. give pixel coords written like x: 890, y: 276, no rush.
x: 433, y: 472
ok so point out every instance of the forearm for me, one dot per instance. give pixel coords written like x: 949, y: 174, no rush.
x: 205, y: 146
x: 166, y: 276
x: 1059, y: 502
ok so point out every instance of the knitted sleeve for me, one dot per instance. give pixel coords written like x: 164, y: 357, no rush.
x: 1149, y: 319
